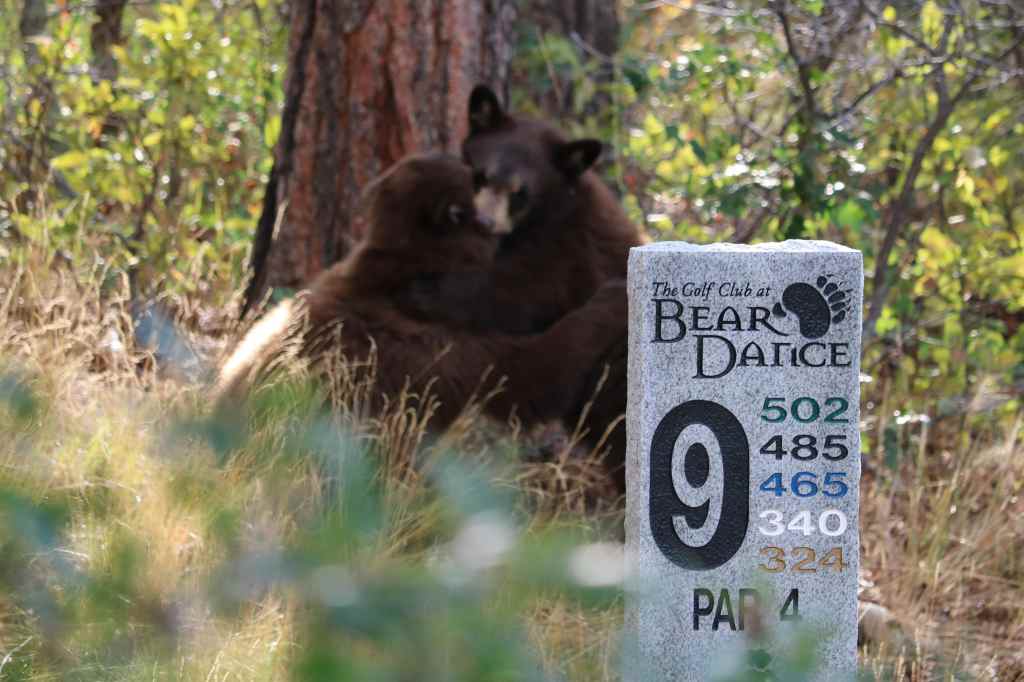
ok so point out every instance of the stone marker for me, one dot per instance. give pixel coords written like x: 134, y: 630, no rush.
x: 743, y: 464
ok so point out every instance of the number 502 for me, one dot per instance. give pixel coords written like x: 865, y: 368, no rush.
x: 805, y: 410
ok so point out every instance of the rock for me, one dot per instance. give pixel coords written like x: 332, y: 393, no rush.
x: 743, y: 458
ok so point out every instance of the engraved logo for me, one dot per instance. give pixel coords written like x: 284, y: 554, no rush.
x: 816, y: 306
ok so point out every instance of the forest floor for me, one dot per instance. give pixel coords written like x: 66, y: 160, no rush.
x: 942, y: 528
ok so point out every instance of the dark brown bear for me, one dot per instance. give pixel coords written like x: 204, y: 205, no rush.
x: 603, y: 406
x: 422, y: 223
x: 563, y: 232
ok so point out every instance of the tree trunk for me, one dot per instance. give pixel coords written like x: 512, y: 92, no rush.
x: 369, y: 81
x: 593, y: 27
x: 105, y: 34
x: 592, y: 24
x: 31, y: 24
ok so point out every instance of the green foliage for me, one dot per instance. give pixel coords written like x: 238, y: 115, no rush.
x: 361, y: 615
x: 160, y: 172
x: 724, y: 130
x: 368, y: 600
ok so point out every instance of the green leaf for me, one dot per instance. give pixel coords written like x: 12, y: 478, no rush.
x: 17, y: 397
x: 850, y: 214
x: 699, y: 151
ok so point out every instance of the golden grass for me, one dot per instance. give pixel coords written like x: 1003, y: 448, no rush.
x: 943, y: 542
x: 942, y: 533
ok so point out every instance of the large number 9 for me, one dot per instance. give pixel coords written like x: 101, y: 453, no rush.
x: 665, y: 504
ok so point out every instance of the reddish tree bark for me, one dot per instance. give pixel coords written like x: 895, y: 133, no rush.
x: 369, y: 81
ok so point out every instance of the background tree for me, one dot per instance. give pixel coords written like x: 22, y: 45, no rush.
x: 105, y: 34
x: 368, y: 82
x: 888, y: 127
x: 571, y: 45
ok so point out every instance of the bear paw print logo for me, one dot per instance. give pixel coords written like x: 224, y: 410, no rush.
x: 816, y: 306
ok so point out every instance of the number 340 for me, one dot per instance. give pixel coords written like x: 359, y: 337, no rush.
x: 803, y: 523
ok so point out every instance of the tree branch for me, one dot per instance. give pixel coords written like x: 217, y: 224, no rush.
x: 897, y: 210
x: 802, y: 67
x: 871, y: 90
x: 896, y: 215
x: 895, y: 27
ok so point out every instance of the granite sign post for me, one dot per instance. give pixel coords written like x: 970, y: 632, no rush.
x: 743, y: 464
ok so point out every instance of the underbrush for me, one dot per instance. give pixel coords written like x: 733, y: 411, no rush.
x: 144, y: 537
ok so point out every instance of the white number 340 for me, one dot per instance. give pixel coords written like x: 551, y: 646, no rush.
x: 802, y: 523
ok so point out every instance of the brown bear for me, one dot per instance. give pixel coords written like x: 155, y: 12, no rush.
x: 563, y: 232
x: 422, y: 223
x: 601, y: 410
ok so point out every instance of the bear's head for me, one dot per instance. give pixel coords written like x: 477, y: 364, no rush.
x: 523, y: 169
x: 423, y: 209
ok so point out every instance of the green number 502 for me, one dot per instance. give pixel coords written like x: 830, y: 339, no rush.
x: 805, y: 410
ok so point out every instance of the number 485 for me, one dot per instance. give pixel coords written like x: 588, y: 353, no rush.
x: 806, y: 447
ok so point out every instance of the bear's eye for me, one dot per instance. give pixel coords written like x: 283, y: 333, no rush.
x: 479, y: 180
x: 455, y: 214
x: 517, y: 200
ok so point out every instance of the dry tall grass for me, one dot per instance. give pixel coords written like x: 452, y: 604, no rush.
x: 156, y: 513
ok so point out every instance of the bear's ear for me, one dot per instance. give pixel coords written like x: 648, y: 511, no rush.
x: 574, y: 158
x: 485, y: 112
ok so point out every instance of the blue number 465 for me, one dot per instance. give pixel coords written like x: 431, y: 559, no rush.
x: 805, y: 484
x: 773, y: 484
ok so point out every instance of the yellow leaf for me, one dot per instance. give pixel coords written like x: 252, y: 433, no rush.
x: 1012, y: 266
x: 123, y: 194
x: 965, y: 182
x: 996, y: 118
x: 931, y: 23
x: 652, y: 126
x: 152, y: 139
x: 889, y: 14
x: 95, y: 127
x: 941, y: 247
x: 997, y: 156
x: 686, y: 157
x: 69, y: 160
x: 104, y: 93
